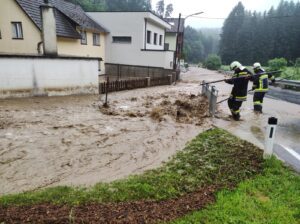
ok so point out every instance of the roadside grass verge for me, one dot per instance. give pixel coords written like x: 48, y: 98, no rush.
x: 213, y: 157
x: 271, y: 197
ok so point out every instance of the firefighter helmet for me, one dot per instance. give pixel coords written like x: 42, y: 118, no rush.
x: 256, y: 65
x: 234, y: 65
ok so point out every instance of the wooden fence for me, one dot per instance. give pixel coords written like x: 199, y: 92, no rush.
x: 119, y: 85
x: 158, y: 81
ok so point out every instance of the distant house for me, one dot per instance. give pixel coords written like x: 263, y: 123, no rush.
x: 48, y: 44
x: 171, y: 37
x: 135, y: 40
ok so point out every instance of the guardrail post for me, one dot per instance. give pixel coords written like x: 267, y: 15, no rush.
x: 213, y: 101
x: 203, y: 88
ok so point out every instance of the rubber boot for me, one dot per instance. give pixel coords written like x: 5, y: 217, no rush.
x: 258, y: 109
x: 236, y: 117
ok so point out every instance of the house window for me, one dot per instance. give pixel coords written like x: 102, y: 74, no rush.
x: 83, y: 38
x: 148, y: 37
x: 167, y: 47
x: 122, y: 39
x: 99, y: 65
x: 17, y: 32
x: 96, y: 39
x: 160, y: 39
x: 155, y: 39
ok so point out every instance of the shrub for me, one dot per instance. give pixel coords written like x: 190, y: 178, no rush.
x: 277, y: 64
x: 213, y: 62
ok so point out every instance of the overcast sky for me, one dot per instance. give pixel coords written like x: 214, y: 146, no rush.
x: 213, y: 8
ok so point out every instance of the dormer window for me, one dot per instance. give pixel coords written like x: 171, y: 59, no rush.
x: 83, y: 38
x: 96, y: 39
x: 17, y: 32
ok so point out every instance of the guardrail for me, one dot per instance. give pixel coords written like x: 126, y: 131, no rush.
x: 289, y: 84
x: 212, y: 94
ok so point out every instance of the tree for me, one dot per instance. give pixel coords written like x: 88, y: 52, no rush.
x: 250, y: 36
x: 90, y: 5
x: 169, y: 10
x: 160, y: 8
x: 213, y: 62
x: 229, y: 38
x: 199, y: 44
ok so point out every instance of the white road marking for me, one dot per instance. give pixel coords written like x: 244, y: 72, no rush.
x: 292, y: 152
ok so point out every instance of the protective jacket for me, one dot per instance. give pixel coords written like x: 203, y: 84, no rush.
x: 261, y: 82
x: 240, y: 86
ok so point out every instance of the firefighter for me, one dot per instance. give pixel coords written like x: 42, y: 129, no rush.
x: 260, y: 86
x: 240, y: 88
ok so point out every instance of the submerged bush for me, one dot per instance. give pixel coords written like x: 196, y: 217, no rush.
x: 213, y: 62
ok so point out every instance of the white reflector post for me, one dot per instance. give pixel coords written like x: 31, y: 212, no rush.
x: 270, y: 136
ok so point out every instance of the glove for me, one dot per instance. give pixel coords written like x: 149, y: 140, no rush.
x: 253, y: 88
x: 227, y: 81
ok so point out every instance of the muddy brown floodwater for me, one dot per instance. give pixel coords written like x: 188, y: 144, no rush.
x: 73, y: 140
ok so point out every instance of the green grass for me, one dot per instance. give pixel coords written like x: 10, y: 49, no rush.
x: 213, y: 157
x: 272, y: 197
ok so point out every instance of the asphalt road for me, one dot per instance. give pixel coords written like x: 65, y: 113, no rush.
x: 284, y: 94
x: 289, y: 155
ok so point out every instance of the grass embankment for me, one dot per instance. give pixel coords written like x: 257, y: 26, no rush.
x: 272, y: 197
x: 214, y: 157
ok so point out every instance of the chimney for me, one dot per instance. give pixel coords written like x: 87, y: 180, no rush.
x: 48, y: 29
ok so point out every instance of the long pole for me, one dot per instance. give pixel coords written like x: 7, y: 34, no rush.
x: 106, y: 92
x: 241, y: 77
x: 177, y: 40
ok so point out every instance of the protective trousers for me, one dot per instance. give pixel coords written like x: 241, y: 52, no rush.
x: 258, y: 99
x: 234, y: 106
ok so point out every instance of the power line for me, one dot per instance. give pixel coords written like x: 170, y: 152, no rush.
x: 239, y: 17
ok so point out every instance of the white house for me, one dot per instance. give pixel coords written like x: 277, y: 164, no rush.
x: 135, y: 38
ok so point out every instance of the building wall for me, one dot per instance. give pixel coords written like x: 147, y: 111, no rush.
x: 133, y: 25
x: 57, y: 76
x: 155, y: 29
x: 11, y: 12
x: 73, y: 47
x: 171, y: 40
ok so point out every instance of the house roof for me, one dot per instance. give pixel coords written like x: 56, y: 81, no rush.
x: 67, y: 16
x: 174, y: 25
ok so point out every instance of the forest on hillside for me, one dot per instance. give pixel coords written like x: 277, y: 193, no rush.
x: 253, y: 36
x: 199, y: 43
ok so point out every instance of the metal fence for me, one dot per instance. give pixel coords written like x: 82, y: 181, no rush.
x: 212, y: 95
